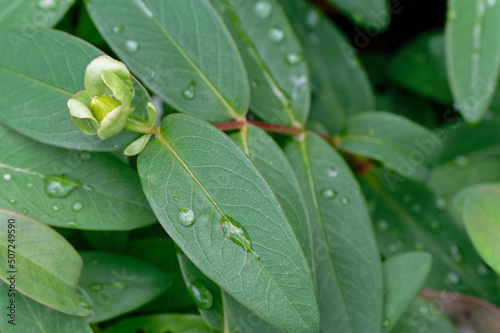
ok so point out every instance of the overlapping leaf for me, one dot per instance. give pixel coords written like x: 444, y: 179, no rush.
x: 408, y: 216
x: 68, y: 188
x: 45, y: 266
x: 31, y: 14
x: 345, y: 255
x: 340, y: 87
x: 398, y: 143
x: 198, y: 180
x: 473, y: 54
x: 179, y: 49
x: 175, y: 323
x: 38, y: 76
x: 373, y: 14
x: 118, y: 284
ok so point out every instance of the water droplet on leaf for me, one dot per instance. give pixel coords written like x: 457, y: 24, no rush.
x: 483, y: 270
x: 118, y: 29
x: 312, y: 18
x: 59, y: 186
x: 176, y: 199
x: 263, y: 9
x: 85, y: 156
x: 327, y: 193
x: 72, y: 224
x: 186, y: 216
x: 236, y: 233
x: 96, y: 287
x: 435, y: 225
x: 132, y: 46
x: 189, y: 93
x: 383, y: 225
x: 12, y: 201
x: 55, y: 208
x: 452, y: 278
x: 332, y: 173
x: 118, y: 284
x: 386, y: 323
x: 293, y: 59
x: 77, y: 206
x: 345, y: 201
x: 276, y: 35
x: 7, y: 176
x: 201, y: 295
x: 461, y: 160
x: 25, y: 210
x: 48, y: 4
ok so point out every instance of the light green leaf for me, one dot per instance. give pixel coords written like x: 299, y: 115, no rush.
x: 398, y: 143
x: 482, y: 220
x: 273, y: 56
x: 473, y: 54
x: 340, y: 87
x: 34, y: 317
x: 272, y: 163
x: 209, y: 180
x: 419, y: 67
x: 373, y: 14
x: 242, y: 320
x: 346, y: 258
x: 35, y: 97
x: 181, y: 50
x: 137, y: 146
x: 408, y: 216
x: 424, y: 317
x: 118, y: 284
x: 404, y: 275
x: 46, y: 268
x: 205, y: 293
x: 33, y: 13
x: 174, y: 323
x: 70, y: 189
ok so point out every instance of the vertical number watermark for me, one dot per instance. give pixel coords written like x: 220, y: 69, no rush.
x: 11, y: 270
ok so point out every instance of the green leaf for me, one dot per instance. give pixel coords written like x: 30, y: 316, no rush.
x: 346, y: 258
x: 30, y: 14
x: 118, y: 284
x: 174, y: 323
x: 424, y: 317
x: 404, y: 275
x: 179, y: 49
x: 35, y: 97
x: 419, y: 67
x: 34, y: 317
x: 114, y: 241
x: 482, y: 220
x: 205, y: 293
x: 473, y: 54
x: 272, y: 163
x: 68, y: 188
x: 374, y: 14
x: 210, y: 180
x: 274, y: 58
x: 340, y: 87
x: 46, y: 267
x: 408, y: 216
x: 398, y: 143
x: 242, y: 320
x: 160, y: 252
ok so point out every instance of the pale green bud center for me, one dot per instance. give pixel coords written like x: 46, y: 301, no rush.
x: 102, y: 105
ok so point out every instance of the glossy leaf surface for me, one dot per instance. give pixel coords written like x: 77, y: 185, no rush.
x: 70, y: 189
x: 374, y: 14
x: 46, y: 267
x: 174, y: 323
x: 32, y: 13
x: 36, y: 104
x: 195, y: 177
x: 179, y: 49
x: 349, y: 292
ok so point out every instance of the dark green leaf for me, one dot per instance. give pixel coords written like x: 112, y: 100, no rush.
x: 398, y: 143
x: 45, y: 268
x: 274, y: 58
x: 374, y: 14
x: 346, y: 260
x: 174, y: 323
x: 404, y: 275
x: 272, y: 163
x: 340, y: 87
x: 179, y: 49
x: 68, y: 188
x: 473, y: 54
x: 30, y: 14
x: 35, y: 96
x: 34, y: 317
x: 419, y: 67
x: 118, y: 284
x: 424, y: 317
x: 113, y: 241
x: 205, y: 293
x: 482, y: 219
x: 408, y: 216
x: 210, y: 182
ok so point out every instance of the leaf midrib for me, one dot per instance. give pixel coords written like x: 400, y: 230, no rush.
x: 191, y: 174
x: 319, y: 218
x: 416, y: 230
x: 190, y: 61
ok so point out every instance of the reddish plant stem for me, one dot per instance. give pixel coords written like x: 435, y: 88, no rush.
x: 232, y: 125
